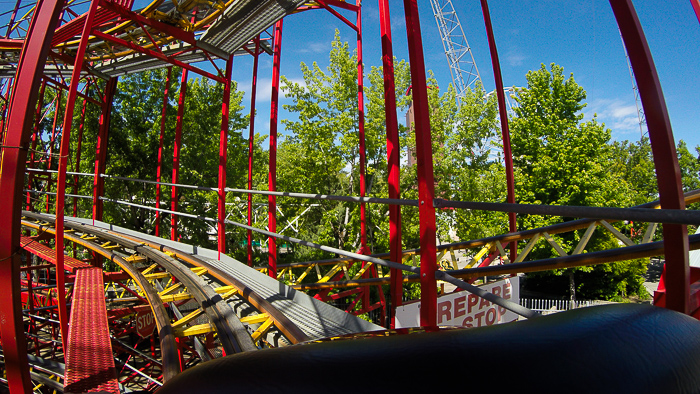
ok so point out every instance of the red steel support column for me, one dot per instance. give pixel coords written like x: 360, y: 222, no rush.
x: 424, y: 156
x: 668, y: 175
x: 696, y: 7
x: 505, y: 132
x: 253, y: 91
x: 361, y: 126
x: 12, y: 165
x: 52, y: 142
x: 35, y: 138
x: 223, y: 147
x: 272, y: 176
x: 77, y: 158
x: 363, y: 153
x: 160, y: 147
x: 393, y: 155
x: 63, y: 167
x: 4, y: 111
x: 98, y: 186
x: 176, y: 154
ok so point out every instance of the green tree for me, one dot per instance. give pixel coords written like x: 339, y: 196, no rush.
x: 560, y: 159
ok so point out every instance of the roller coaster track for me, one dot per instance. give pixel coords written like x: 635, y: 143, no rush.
x: 241, y: 317
x: 487, y: 252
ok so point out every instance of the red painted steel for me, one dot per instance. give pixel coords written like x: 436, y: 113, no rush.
x: 696, y: 8
x: 12, y: 19
x: 19, y: 126
x: 424, y: 156
x: 251, y: 137
x: 81, y: 128
x: 44, y: 252
x: 668, y: 176
x: 176, y: 153
x: 223, y: 147
x: 272, y: 176
x: 35, y: 138
x: 157, y: 55
x: 361, y: 136
x: 52, y: 143
x: 63, y: 167
x: 98, y: 185
x: 393, y: 151
x: 89, y: 359
x: 160, y: 147
x: 505, y: 132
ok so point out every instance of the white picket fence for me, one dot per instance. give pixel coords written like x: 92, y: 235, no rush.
x: 553, y: 306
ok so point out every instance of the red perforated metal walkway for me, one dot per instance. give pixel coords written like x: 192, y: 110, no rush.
x: 42, y: 251
x: 89, y: 360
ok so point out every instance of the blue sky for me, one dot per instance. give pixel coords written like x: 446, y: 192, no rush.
x: 580, y: 36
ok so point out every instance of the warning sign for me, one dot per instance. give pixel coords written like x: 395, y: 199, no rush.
x: 464, y: 309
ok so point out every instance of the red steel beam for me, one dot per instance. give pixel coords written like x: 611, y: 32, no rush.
x: 272, y: 176
x: 98, y: 185
x: 223, y: 148
x: 35, y: 138
x: 343, y: 19
x: 177, y: 145
x: 424, y: 156
x: 505, y: 132
x: 78, y: 152
x: 160, y: 147
x: 251, y: 137
x: 19, y: 125
x: 361, y: 136
x: 696, y: 8
x: 393, y: 151
x: 63, y: 167
x: 52, y: 142
x: 668, y: 175
x: 157, y: 55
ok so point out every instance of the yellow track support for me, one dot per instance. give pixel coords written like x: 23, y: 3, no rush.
x: 187, y: 318
x: 199, y: 329
x: 259, y: 318
x: 262, y: 329
x: 176, y: 297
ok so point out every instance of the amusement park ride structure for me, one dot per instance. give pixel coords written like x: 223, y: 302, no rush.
x: 68, y: 324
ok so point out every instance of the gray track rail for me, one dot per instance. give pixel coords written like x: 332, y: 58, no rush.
x: 315, y: 318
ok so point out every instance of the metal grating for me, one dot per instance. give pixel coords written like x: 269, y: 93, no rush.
x: 244, y: 20
x: 44, y: 252
x: 89, y: 360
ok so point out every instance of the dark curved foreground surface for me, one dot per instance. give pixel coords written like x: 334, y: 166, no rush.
x: 605, y: 349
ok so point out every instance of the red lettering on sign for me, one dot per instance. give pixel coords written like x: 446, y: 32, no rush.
x: 506, y: 290
x: 478, y: 317
x: 472, y: 300
x: 467, y: 322
x: 444, y: 308
x: 497, y: 291
x: 459, y: 306
x: 491, y: 316
x: 484, y: 303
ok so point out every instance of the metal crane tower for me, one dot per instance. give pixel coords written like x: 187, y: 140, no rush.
x: 459, y: 55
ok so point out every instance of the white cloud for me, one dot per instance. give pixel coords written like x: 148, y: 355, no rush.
x: 620, y: 116
x: 515, y: 57
x: 315, y: 47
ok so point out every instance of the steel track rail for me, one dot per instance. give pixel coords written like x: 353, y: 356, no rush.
x: 166, y: 334
x: 232, y: 333
x: 293, y: 333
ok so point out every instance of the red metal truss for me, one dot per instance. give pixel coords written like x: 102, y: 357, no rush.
x: 89, y: 360
x: 44, y: 252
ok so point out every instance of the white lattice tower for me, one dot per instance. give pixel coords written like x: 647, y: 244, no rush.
x: 459, y: 55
